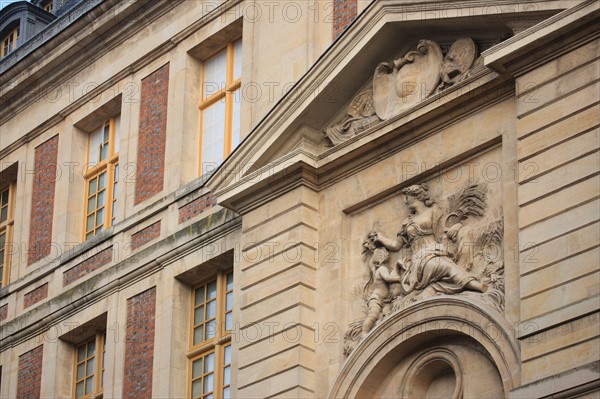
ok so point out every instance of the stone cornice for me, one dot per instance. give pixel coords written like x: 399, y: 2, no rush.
x: 521, y: 53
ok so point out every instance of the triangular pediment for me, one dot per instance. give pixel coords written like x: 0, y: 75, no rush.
x: 293, y: 132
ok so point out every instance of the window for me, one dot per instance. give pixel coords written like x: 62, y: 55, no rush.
x: 210, y: 355
x: 220, y: 105
x: 89, y: 367
x: 6, y: 225
x: 102, y: 177
x: 9, y: 43
x: 47, y: 5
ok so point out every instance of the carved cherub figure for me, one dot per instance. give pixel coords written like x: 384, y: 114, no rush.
x: 381, y: 276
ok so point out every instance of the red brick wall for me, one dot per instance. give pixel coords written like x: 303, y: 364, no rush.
x: 29, y: 376
x: 139, y: 345
x: 33, y: 297
x: 146, y: 235
x: 196, y: 207
x: 87, y: 266
x: 344, y: 12
x: 153, y: 135
x: 42, y: 201
x: 3, y: 312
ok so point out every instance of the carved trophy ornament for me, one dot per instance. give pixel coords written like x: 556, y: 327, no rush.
x: 450, y: 249
x: 401, y: 84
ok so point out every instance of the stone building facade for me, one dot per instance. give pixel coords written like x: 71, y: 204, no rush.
x: 301, y: 199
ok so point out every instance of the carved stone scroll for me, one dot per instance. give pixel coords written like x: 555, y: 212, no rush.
x: 408, y: 80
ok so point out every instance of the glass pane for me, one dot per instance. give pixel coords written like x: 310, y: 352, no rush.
x: 91, y: 349
x: 227, y: 375
x: 90, y: 222
x: 95, y: 143
x: 198, y: 334
x: 89, y: 385
x: 228, y: 322
x: 196, y: 388
x: 91, y: 205
x: 92, y: 187
x: 208, y: 383
x: 228, y: 355
x: 209, y: 396
x: 116, y: 173
x: 1, y: 263
x: 106, y: 132
x: 102, y: 181
x: 235, y: 123
x: 198, y: 315
x: 199, y: 295
x: 209, y: 363
x: 197, y: 368
x: 211, y: 329
x: 212, y: 290
x: 117, y: 133
x: 237, y: 59
x: 229, y: 301
x: 89, y: 368
x: 100, y: 217
x: 101, y: 198
x: 213, y: 136
x: 229, y: 281
x: 3, y: 214
x: 81, y: 353
x: 211, y: 309
x: 100, y: 228
x: 215, y: 73
x: 2, y: 240
x: 79, y: 390
x: 104, y: 152
x: 80, y: 369
x: 226, y: 393
x: 4, y: 197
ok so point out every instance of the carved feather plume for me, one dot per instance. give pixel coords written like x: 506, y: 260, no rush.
x: 470, y: 202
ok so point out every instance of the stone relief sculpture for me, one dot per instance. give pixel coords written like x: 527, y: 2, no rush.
x: 448, y: 249
x: 401, y: 84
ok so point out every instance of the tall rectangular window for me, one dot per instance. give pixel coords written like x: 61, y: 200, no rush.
x: 220, y: 105
x: 102, y: 177
x: 6, y: 226
x: 89, y: 368
x: 9, y: 43
x: 211, y: 325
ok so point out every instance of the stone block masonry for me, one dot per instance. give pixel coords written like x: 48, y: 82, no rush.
x: 42, y: 201
x: 29, y: 377
x: 139, y: 345
x: 153, y: 135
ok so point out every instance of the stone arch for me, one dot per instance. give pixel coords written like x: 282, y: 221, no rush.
x: 424, y: 346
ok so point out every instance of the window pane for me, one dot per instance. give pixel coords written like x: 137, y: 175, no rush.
x: 213, y: 136
x: 92, y: 187
x: 228, y: 355
x: 196, y: 388
x: 91, y: 205
x: 100, y: 217
x: 89, y: 385
x: 199, y: 295
x: 211, y: 329
x: 215, y: 73
x: 229, y: 301
x: 198, y: 334
x: 79, y: 390
x: 91, y: 349
x: 89, y: 368
x: 80, y: 369
x: 3, y: 214
x: 227, y: 375
x: 81, y: 353
x: 95, y: 144
x: 212, y: 290
x: 235, y: 123
x: 101, y: 198
x: 228, y: 322
x: 197, y: 368
x: 208, y: 383
x: 1, y: 263
x: 2, y: 240
x: 90, y: 222
x: 237, y: 60
x: 198, y: 315
x: 209, y: 363
x: 211, y: 309
x: 102, y: 181
x: 226, y: 393
x: 229, y: 281
x: 4, y: 197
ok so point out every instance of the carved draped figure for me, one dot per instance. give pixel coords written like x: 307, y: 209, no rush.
x: 430, y: 265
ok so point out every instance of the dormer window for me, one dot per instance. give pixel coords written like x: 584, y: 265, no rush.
x: 9, y: 43
x: 48, y: 6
